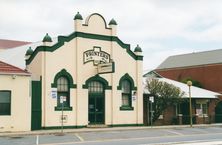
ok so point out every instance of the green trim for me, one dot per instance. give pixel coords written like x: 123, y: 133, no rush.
x: 126, y: 108
x: 29, y: 51
x: 138, y: 49
x: 129, y: 78
x: 112, y: 22
x: 125, y: 125
x: 97, y: 78
x: 78, y: 16
x: 64, y: 127
x: 63, y: 39
x: 47, y: 38
x: 58, y: 108
x: 36, y: 105
x: 88, y: 18
x: 63, y: 72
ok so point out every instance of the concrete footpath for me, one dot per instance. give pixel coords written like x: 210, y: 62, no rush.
x: 78, y: 130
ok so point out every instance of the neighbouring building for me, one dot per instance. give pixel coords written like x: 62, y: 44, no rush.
x: 204, y: 67
x: 203, y: 104
x: 15, y: 99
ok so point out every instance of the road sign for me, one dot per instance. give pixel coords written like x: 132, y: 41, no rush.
x: 151, y: 98
x: 62, y: 99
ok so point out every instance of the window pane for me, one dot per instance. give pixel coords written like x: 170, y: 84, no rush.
x: 4, y: 96
x: 5, y: 102
x: 126, y: 86
x: 95, y: 87
x: 62, y: 84
x: 125, y: 100
x: 204, y: 107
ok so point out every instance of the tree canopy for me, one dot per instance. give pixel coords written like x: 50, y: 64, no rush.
x: 165, y: 95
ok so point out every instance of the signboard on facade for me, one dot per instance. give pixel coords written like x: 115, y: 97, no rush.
x: 54, y: 93
x: 106, y: 68
x: 96, y: 55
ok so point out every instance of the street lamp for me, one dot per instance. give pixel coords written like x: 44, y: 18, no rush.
x: 189, y: 83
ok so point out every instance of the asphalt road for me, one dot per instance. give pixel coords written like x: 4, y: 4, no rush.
x: 209, y: 135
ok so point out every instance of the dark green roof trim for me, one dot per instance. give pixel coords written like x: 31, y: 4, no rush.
x: 97, y: 78
x: 62, y: 39
x: 78, y: 16
x: 129, y: 78
x: 64, y: 73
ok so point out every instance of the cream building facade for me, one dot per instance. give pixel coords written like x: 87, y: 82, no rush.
x: 88, y: 77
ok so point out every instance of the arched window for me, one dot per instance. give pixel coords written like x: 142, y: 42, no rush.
x: 126, y: 93
x: 126, y: 85
x: 63, y: 95
x: 63, y: 82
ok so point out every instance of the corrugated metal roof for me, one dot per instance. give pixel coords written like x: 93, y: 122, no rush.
x: 16, y: 56
x: 192, y: 59
x: 195, y: 91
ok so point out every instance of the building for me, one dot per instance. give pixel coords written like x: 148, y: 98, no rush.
x: 85, y: 78
x: 15, y: 99
x: 203, y: 104
x: 204, y: 67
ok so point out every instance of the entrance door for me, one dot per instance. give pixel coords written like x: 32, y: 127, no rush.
x: 96, y: 103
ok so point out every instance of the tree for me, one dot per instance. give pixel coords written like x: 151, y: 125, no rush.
x: 194, y: 82
x: 165, y: 95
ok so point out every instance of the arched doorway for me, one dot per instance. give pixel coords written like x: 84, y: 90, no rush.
x: 96, y: 107
x: 218, y: 113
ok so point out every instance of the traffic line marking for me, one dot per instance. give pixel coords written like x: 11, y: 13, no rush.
x: 79, y: 137
x: 174, y: 132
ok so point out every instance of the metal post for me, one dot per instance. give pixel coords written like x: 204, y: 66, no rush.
x: 62, y: 118
x: 151, y: 108
x: 148, y: 114
x: 189, y: 83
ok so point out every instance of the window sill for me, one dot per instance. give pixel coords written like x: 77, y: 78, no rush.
x: 58, y: 108
x: 125, y: 108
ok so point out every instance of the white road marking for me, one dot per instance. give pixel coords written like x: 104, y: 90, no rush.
x: 79, y: 137
x: 174, y: 132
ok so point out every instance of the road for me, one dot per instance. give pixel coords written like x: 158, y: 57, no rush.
x: 209, y: 135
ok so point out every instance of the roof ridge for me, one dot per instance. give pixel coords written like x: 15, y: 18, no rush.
x: 220, y: 49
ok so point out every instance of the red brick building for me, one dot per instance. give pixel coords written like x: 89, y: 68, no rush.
x: 204, y: 67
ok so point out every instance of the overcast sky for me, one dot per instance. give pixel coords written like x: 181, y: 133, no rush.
x: 161, y: 27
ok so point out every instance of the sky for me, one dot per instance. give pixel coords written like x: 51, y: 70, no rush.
x: 161, y: 27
